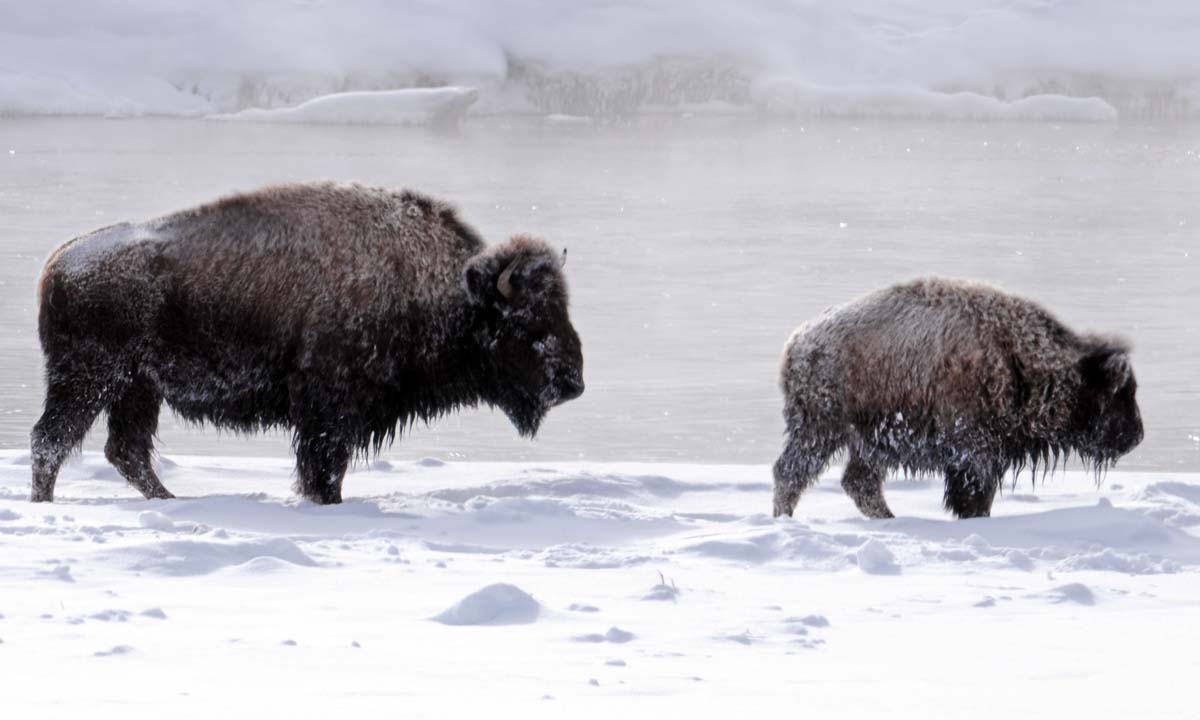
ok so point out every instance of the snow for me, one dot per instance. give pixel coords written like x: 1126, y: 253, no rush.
x: 414, y: 106
x: 664, y: 588
x: 951, y: 58
x: 789, y: 97
x: 499, y: 604
x: 875, y: 558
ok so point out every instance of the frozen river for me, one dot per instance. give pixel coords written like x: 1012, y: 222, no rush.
x: 696, y: 246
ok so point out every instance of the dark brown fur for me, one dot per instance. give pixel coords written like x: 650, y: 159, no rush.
x: 338, y: 311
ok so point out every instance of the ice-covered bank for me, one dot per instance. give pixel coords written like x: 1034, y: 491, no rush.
x: 596, y: 58
x: 413, y: 106
x: 583, y: 588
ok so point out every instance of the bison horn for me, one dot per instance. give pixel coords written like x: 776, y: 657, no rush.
x: 504, y: 284
x: 563, y: 264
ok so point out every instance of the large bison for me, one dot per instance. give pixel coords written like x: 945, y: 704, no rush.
x: 341, y: 312
x: 952, y: 377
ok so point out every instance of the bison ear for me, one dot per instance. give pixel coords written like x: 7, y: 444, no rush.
x: 489, y: 278
x: 1106, y: 367
x: 479, y: 277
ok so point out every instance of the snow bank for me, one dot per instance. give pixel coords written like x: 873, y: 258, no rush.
x: 415, y: 106
x: 943, y: 58
x: 789, y: 97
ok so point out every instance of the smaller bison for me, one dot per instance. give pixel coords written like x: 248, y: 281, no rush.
x: 340, y: 312
x: 953, y: 377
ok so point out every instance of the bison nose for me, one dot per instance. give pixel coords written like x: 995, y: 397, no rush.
x: 1139, y: 435
x: 570, y: 388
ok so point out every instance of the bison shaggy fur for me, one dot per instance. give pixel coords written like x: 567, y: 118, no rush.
x: 952, y: 377
x: 340, y: 312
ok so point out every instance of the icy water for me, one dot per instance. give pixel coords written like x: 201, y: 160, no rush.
x: 696, y: 246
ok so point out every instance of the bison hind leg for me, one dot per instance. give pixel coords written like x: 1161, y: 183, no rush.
x: 863, y: 482
x: 798, y: 467
x: 969, y: 491
x: 73, y: 400
x: 132, y: 423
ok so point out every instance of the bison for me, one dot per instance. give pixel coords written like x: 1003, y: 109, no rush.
x: 953, y: 377
x: 342, y: 312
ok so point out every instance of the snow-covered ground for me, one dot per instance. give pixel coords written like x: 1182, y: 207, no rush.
x: 924, y: 58
x: 564, y: 589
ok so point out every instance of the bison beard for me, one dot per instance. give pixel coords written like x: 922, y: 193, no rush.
x: 944, y: 376
x: 344, y: 313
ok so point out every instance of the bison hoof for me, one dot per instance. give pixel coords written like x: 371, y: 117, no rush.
x: 876, y: 512
x: 323, y: 499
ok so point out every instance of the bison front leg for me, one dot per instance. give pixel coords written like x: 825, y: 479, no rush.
x: 322, y: 439
x: 970, y: 491
x: 864, y: 484
x: 321, y: 461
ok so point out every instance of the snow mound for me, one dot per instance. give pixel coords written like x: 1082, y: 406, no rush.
x: 875, y: 558
x: 1077, y: 593
x: 614, y: 635
x: 664, y: 591
x: 499, y: 604
x: 152, y: 520
x: 788, y: 541
x: 201, y: 557
x: 262, y: 565
x: 1179, y: 490
x: 516, y: 509
x: 413, y: 106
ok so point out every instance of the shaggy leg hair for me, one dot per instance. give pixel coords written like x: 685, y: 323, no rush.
x: 864, y: 484
x: 72, y: 404
x: 970, y: 491
x: 321, y: 462
x: 323, y: 451
x: 132, y: 422
x: 798, y: 467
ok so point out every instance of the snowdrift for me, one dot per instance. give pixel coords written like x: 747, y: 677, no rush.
x: 928, y: 58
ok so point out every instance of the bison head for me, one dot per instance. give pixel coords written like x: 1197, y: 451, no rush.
x: 533, y: 351
x: 1106, y: 419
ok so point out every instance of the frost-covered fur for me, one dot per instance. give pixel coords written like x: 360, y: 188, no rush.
x: 341, y: 312
x: 948, y: 376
